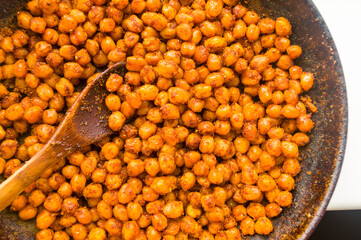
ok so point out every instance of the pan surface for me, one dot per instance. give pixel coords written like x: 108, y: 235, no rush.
x: 322, y: 157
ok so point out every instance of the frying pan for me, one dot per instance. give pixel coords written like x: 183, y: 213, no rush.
x: 322, y: 157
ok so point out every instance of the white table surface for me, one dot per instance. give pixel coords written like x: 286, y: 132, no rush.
x: 343, y: 18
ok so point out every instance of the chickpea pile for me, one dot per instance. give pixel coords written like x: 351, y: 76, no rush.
x: 207, y: 121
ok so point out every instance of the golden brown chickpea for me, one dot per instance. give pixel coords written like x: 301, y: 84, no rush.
x: 247, y: 226
x: 113, y: 227
x: 8, y: 148
x: 145, y: 220
x: 61, y: 235
x: 18, y: 203
x: 256, y: 210
x: 27, y: 213
x: 42, y: 48
x: 67, y: 220
x: 82, y: 57
x: 23, y: 19
x: 45, y: 234
x: 42, y: 70
x: 70, y: 205
x: 45, y: 219
x: 63, y: 40
x: 239, y: 29
x: 37, y: 25
x: 263, y: 226
x: 97, y: 234
x: 305, y: 123
x: 54, y: 60
x: 274, y: 111
x: 289, y: 149
x: 251, y: 77
x: 116, y: 121
x: 208, y: 29
x: 166, y: 163
x: 111, y: 197
x: 14, y: 112
x: 290, y: 111
x: 73, y: 70
x: 52, y: 20
x: 104, y: 210
x: 79, y: 231
x: 294, y: 51
x: 274, y: 147
x: 266, y: 183
x: 36, y: 198
x: 195, y: 104
x: 301, y: 139
x: 78, y: 182
x: 284, y: 198
x: 187, y: 181
x: 48, y: 6
x: 306, y: 81
x: 268, y: 40
x: 83, y: 215
x: 64, y: 87
x: 207, y: 144
x: 251, y: 193
x: 295, y: 72
x: 283, y: 27
x: 230, y: 56
x: 286, y: 182
x: 130, y: 230
x: 253, y: 32
x: 189, y: 225
x: 155, y: 207
x: 67, y: 23
x: 285, y: 62
x: 44, y: 132
x: 273, y: 55
x: 65, y: 190
x: 267, y: 25
x: 126, y: 193
x: 282, y: 43
x: 273, y: 210
x: 215, y: 44
x: 7, y: 71
x: 134, y: 210
x: 20, y: 69
x: 201, y: 54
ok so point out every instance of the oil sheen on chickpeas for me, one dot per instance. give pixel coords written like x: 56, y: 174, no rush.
x: 207, y: 121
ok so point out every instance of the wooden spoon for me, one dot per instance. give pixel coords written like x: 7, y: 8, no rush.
x: 85, y: 122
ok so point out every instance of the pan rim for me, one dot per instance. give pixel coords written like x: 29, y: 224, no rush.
x: 320, y: 211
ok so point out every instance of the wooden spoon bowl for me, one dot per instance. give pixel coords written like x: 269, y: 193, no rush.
x: 85, y: 122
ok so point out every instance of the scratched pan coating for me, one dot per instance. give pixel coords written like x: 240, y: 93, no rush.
x: 324, y: 154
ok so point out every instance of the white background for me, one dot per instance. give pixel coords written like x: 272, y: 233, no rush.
x: 343, y: 18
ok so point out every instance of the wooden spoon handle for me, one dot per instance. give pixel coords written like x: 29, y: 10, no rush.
x: 84, y: 123
x: 26, y: 175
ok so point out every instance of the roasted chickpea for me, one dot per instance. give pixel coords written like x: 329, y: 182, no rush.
x: 263, y: 226
x: 283, y: 27
x: 45, y: 219
x: 37, y: 25
x: 79, y: 231
x: 284, y: 199
x: 19, y: 203
x: 247, y: 226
